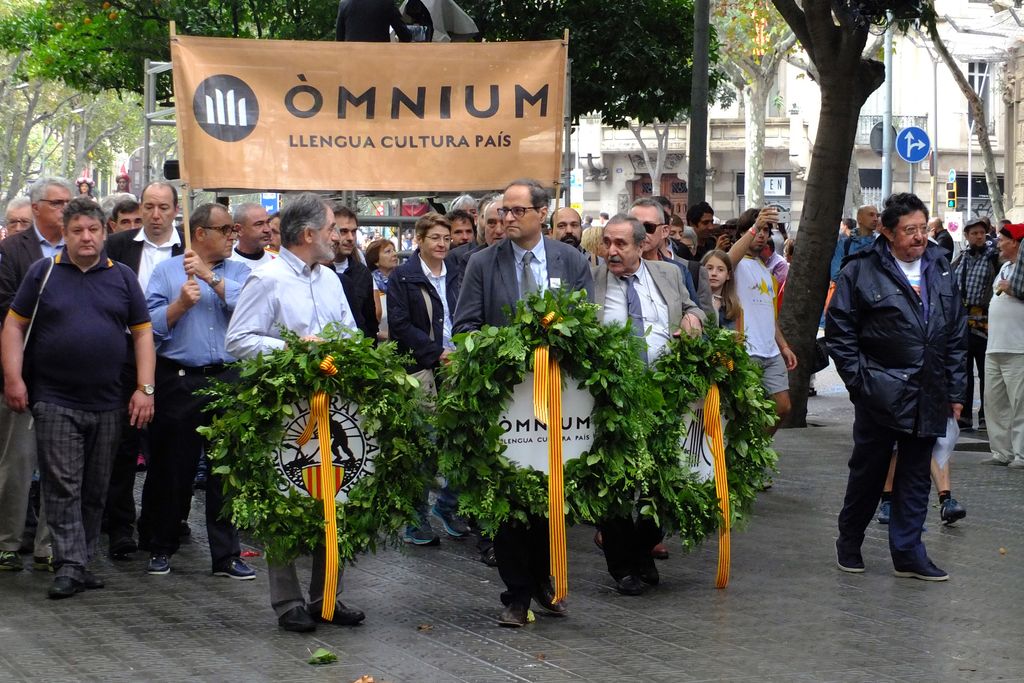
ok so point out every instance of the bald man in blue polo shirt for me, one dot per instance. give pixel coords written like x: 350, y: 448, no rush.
x: 65, y: 332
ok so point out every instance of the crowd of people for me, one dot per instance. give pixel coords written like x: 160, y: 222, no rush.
x: 901, y: 324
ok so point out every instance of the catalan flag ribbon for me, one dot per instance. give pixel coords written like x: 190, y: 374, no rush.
x: 547, y: 406
x: 713, y: 428
x: 328, y: 483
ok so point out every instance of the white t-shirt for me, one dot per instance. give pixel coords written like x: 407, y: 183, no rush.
x: 757, y: 291
x: 1005, y: 318
x: 265, y: 257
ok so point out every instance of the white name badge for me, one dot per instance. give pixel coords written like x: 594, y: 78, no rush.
x: 352, y: 450
x: 696, y: 445
x: 526, y: 437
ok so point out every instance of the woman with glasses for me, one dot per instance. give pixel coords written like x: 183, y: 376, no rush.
x: 382, y: 259
x: 421, y: 299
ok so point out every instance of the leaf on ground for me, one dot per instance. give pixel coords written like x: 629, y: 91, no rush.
x: 425, y: 627
x: 322, y: 656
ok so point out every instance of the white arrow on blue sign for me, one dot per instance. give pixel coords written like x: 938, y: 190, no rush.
x: 912, y: 144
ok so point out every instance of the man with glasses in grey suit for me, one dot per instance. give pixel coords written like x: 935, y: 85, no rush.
x: 496, y: 278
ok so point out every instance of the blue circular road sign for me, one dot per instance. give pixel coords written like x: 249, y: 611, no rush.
x: 912, y: 144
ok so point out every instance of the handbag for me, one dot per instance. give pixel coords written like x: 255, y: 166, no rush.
x: 821, y: 359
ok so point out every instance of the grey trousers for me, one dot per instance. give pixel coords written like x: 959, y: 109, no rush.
x: 17, y: 460
x: 285, y: 591
x: 76, y: 454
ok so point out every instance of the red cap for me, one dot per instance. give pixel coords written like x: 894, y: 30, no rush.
x: 1014, y: 230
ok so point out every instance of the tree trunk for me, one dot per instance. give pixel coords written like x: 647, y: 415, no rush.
x: 980, y: 124
x: 856, y: 190
x: 654, y: 166
x: 755, y: 106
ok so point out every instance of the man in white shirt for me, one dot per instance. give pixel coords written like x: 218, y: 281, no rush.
x: 296, y: 292
x: 758, y: 292
x: 252, y: 225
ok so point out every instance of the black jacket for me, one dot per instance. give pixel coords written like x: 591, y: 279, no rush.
x: 367, y: 21
x: 408, y: 323
x: 900, y: 365
x: 358, y: 285
x: 17, y: 253
x: 123, y: 247
x: 458, y: 257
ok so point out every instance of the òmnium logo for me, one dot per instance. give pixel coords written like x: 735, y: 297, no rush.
x: 226, y: 108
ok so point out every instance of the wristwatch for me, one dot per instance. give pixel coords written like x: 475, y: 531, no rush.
x: 147, y: 389
x: 215, y: 279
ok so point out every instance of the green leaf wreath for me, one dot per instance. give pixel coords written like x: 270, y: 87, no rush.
x: 483, y: 372
x: 249, y: 424
x: 683, y: 374
x: 639, y: 418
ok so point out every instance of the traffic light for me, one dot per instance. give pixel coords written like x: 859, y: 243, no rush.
x: 951, y: 195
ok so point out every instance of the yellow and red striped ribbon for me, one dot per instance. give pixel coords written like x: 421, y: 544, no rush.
x: 713, y: 428
x: 320, y: 419
x: 547, y: 406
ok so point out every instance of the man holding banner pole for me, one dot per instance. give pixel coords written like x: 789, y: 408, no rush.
x: 495, y: 278
x: 650, y: 295
x: 296, y: 292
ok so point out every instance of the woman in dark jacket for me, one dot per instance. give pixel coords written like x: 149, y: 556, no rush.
x: 424, y: 333
x: 421, y: 301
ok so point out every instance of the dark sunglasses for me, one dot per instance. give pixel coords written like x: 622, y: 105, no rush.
x: 651, y: 227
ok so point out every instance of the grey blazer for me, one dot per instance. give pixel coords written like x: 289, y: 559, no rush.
x: 669, y: 283
x: 489, y: 282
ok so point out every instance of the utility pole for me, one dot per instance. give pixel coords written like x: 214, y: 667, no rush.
x: 887, y: 118
x: 699, y: 103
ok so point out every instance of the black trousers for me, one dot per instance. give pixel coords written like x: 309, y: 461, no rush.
x: 975, y: 359
x: 175, y: 448
x: 524, y: 559
x: 627, y: 545
x: 119, y: 512
x: 869, y: 465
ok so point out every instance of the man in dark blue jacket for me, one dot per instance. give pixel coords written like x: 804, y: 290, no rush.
x: 898, y: 335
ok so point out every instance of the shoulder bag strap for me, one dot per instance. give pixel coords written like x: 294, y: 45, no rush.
x: 35, y: 309
x: 430, y: 309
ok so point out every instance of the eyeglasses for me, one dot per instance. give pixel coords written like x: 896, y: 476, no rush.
x: 914, y: 230
x: 651, y: 227
x: 19, y: 221
x: 225, y: 230
x: 439, y: 238
x: 517, y: 211
x: 57, y: 203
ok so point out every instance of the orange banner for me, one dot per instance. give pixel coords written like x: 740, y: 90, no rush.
x: 291, y: 115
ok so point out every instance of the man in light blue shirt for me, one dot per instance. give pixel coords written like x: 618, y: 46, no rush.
x: 296, y: 292
x: 190, y: 299
x: 867, y: 231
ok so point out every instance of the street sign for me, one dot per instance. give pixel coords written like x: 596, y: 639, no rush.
x: 912, y: 144
x: 270, y: 201
x: 952, y: 176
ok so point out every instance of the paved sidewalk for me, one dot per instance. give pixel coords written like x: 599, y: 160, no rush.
x: 787, y: 614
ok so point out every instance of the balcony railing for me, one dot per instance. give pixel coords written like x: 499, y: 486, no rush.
x: 868, y: 121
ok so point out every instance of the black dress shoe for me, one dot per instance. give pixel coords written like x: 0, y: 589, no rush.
x: 650, y: 576
x: 64, y: 587
x: 92, y: 582
x: 489, y: 558
x: 544, y: 596
x: 630, y: 585
x: 121, y: 547
x: 513, y: 616
x: 297, y: 620
x: 343, y: 616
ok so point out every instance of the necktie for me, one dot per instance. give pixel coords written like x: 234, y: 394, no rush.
x: 635, y: 312
x: 527, y: 283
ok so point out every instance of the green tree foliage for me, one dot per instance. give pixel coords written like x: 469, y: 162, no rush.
x: 97, y: 45
x: 630, y: 60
